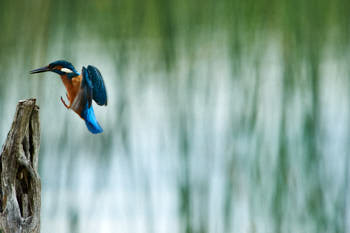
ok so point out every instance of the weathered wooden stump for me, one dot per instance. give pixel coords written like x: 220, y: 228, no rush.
x: 20, y: 185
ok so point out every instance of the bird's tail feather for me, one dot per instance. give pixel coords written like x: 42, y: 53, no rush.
x: 90, y: 120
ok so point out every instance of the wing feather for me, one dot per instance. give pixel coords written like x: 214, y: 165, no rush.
x: 99, y: 94
x: 84, y: 95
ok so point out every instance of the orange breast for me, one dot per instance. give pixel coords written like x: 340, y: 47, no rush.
x: 72, y: 86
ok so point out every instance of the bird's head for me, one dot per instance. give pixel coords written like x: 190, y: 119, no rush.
x: 60, y: 67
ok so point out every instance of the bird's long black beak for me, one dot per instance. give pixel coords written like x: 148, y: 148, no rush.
x: 40, y: 70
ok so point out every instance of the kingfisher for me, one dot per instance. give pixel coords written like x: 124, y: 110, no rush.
x: 81, y: 90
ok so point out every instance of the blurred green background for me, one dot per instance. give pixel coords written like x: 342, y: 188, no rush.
x: 223, y: 116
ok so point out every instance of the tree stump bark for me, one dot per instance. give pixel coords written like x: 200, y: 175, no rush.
x: 20, y: 185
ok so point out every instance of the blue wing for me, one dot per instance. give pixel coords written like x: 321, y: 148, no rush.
x: 87, y: 87
x: 82, y: 104
x: 84, y: 96
x: 99, y: 93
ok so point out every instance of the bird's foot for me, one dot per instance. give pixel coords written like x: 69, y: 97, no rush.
x: 64, y: 103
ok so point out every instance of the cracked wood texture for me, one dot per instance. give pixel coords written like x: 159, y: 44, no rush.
x: 20, y: 185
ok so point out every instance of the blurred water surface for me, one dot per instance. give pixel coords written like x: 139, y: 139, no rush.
x: 223, y: 116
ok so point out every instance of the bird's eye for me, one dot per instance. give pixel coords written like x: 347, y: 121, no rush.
x: 66, y: 70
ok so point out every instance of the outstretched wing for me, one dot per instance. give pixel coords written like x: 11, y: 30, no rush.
x: 99, y: 93
x: 82, y: 103
x: 84, y: 96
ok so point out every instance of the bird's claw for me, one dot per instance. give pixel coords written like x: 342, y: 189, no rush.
x: 64, y: 103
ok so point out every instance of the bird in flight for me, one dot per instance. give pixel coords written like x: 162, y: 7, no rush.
x: 81, y: 90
